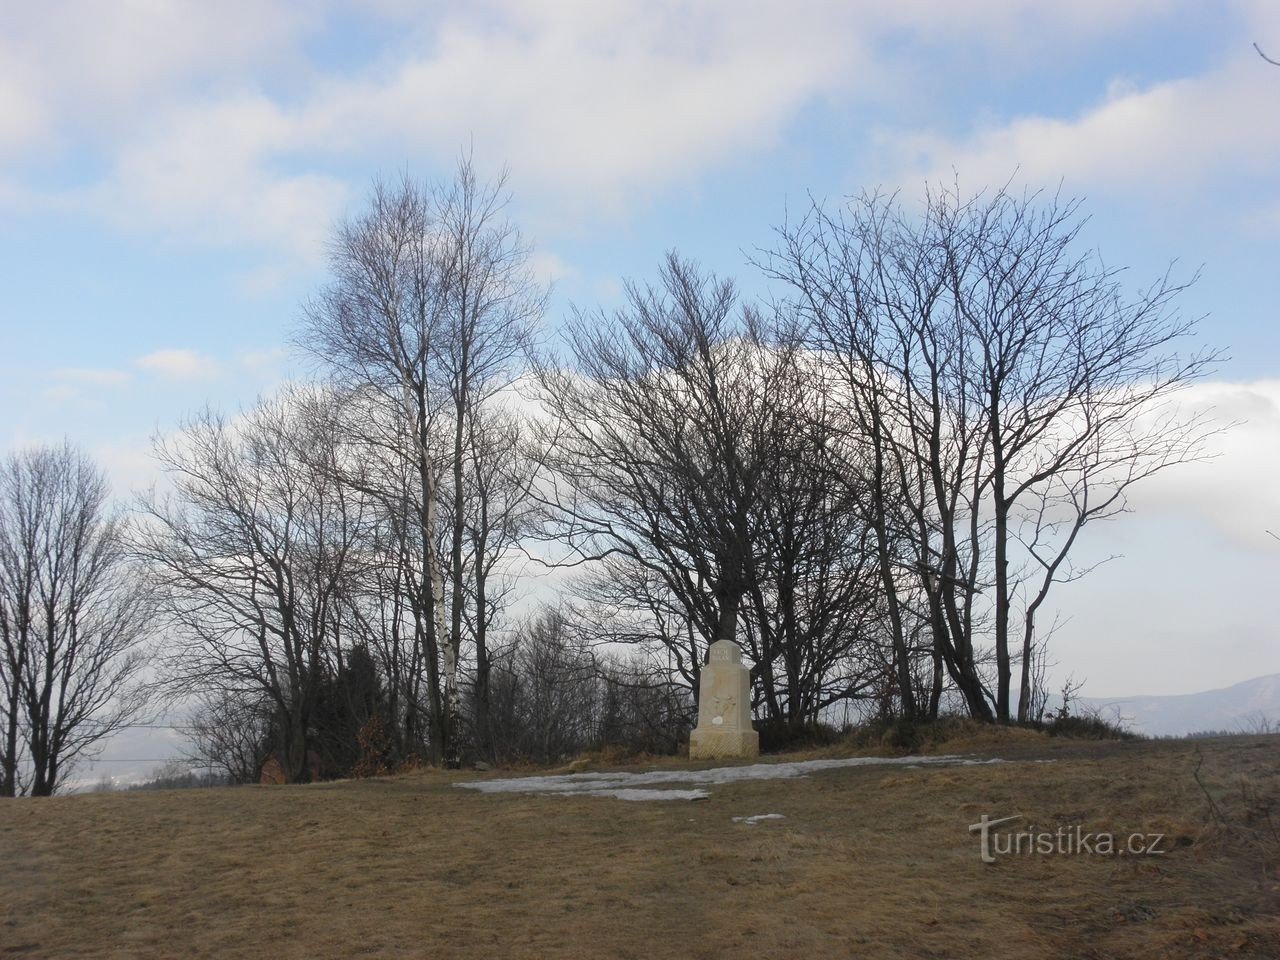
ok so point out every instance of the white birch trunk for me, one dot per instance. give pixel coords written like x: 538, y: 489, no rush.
x: 448, y: 643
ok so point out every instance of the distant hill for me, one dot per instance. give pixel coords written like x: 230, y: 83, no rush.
x: 1236, y: 708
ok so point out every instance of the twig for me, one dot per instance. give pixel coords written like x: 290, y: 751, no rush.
x: 1213, y: 806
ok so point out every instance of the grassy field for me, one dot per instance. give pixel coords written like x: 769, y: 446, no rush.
x: 868, y: 862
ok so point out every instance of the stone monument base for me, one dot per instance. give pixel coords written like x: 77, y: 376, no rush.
x: 716, y: 744
x: 724, y: 707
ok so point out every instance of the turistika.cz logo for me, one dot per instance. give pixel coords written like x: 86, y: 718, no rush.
x: 1063, y: 841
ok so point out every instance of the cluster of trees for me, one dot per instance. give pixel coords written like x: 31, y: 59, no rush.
x: 873, y: 483
x: 376, y: 510
x: 554, y: 694
x: 1003, y: 391
x: 870, y: 482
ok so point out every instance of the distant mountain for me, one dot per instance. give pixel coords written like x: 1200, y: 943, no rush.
x: 1239, y: 708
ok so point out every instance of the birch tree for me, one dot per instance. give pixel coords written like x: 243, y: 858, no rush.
x: 493, y: 305
x: 430, y: 305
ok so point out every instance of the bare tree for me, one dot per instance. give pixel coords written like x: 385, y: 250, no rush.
x: 554, y: 694
x: 251, y: 552
x: 73, y: 617
x: 686, y: 472
x: 833, y: 270
x: 656, y: 443
x: 231, y: 731
x: 814, y: 598
x: 1013, y: 389
x: 545, y: 694
x: 379, y: 327
x: 384, y: 594
x: 497, y: 503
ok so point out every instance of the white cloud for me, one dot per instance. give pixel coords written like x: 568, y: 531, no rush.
x: 173, y: 364
x: 130, y: 464
x: 1168, y: 137
x: 548, y: 267
x: 596, y: 101
x: 204, y: 175
x: 1175, y: 140
x: 1234, y: 492
x: 268, y: 367
x: 216, y: 127
x: 592, y: 102
x: 71, y: 69
x: 23, y: 122
x: 60, y: 393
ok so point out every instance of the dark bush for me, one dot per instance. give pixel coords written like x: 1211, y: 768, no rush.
x: 1088, y: 727
x: 777, y: 736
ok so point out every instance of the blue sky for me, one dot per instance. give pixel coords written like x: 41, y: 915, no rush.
x: 169, y: 173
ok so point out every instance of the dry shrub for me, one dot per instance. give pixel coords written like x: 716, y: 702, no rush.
x: 1091, y: 726
x: 376, y: 751
x: 946, y: 734
x: 1242, y: 813
x: 411, y: 763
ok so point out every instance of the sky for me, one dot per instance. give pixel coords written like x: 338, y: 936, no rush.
x: 170, y: 173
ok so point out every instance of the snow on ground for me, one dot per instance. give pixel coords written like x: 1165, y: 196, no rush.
x: 752, y: 821
x: 627, y: 793
x: 653, y: 784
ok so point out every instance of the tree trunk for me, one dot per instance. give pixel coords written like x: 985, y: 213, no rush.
x: 431, y: 586
x: 9, y: 776
x: 727, y: 621
x: 935, y: 692
x: 449, y: 712
x: 1024, y: 687
x: 1003, y: 672
x: 482, y: 652
x: 453, y: 644
x: 884, y: 556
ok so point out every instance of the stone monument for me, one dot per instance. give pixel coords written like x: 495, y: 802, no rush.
x: 724, y: 707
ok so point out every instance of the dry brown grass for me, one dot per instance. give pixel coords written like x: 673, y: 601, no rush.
x: 868, y: 862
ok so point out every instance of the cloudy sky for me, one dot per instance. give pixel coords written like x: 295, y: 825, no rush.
x: 169, y: 173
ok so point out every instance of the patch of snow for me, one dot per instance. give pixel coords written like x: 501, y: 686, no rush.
x: 752, y: 821
x: 616, y: 784
x: 624, y: 793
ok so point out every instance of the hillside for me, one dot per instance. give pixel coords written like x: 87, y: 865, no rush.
x: 862, y: 860
x: 1236, y: 709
